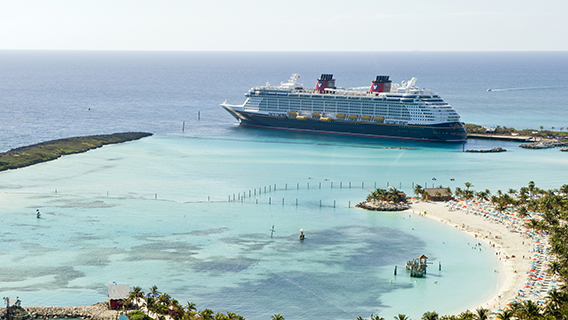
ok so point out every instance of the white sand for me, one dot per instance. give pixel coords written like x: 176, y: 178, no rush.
x: 512, y: 271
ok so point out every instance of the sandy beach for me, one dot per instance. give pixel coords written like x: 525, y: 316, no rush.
x: 522, y: 254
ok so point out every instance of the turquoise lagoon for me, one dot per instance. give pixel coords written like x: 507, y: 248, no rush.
x: 157, y: 212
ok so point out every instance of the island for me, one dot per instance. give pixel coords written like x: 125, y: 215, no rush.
x: 51, y: 150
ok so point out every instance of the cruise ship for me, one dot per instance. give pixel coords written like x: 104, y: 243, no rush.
x: 383, y: 109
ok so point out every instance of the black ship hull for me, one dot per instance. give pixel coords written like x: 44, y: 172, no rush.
x: 444, y: 132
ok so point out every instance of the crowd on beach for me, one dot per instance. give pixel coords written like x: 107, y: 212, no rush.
x: 538, y: 281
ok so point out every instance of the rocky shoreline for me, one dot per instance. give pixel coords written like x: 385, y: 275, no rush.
x: 383, y: 206
x: 496, y: 149
x: 544, y: 144
x: 99, y: 311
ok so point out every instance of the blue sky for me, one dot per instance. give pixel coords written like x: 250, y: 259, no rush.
x: 289, y: 25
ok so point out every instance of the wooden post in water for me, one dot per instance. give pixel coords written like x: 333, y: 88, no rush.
x: 183, y: 127
x: 198, y: 115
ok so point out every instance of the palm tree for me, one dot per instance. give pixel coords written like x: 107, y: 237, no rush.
x: 401, y: 317
x: 553, y: 268
x: 506, y: 314
x: 430, y: 315
x: 529, y: 310
x: 154, y: 291
x: 531, y: 187
x: 164, y: 299
x: 468, y: 185
x: 377, y: 317
x: 190, y: 306
x: 458, y: 192
x: 481, y: 314
x: 481, y: 195
x: 135, y: 295
x: 564, y: 189
x: 206, y: 314
x: 277, y: 317
x: 522, y: 211
x: 176, y: 310
x: 418, y: 190
x: 466, y: 315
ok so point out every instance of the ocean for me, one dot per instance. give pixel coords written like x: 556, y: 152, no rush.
x: 192, y: 208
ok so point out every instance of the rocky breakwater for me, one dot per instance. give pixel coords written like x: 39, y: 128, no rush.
x: 544, y: 144
x: 99, y: 311
x: 383, y: 205
x: 496, y: 149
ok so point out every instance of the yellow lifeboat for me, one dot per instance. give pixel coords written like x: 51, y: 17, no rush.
x: 379, y: 119
x: 353, y: 116
x: 325, y: 119
x: 292, y: 113
x: 301, y: 117
x: 340, y: 116
x: 316, y: 114
x: 368, y: 118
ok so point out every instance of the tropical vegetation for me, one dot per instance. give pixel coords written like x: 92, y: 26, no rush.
x: 158, y: 305
x: 51, y: 150
x: 541, y: 133
x: 390, y: 194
